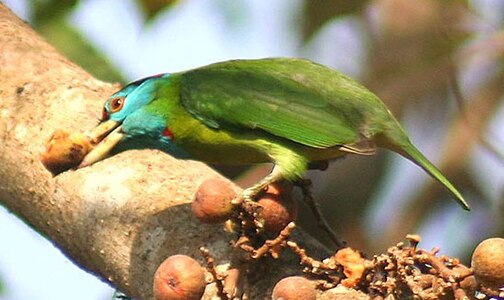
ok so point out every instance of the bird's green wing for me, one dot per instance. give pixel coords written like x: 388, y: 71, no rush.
x: 290, y: 98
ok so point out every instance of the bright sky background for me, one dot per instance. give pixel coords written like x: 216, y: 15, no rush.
x: 192, y: 34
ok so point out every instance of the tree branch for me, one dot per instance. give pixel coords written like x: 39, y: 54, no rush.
x: 118, y: 219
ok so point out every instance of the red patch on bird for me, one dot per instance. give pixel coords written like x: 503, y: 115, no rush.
x: 105, y: 115
x: 167, y: 132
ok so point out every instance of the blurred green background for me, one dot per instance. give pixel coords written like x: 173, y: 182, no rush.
x: 438, y: 65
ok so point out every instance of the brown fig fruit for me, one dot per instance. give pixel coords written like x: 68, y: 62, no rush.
x: 179, y: 277
x: 294, y: 288
x: 212, y: 203
x: 488, y: 262
x: 279, y: 208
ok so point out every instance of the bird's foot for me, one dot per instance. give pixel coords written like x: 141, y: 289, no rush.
x: 249, y: 211
x: 250, y: 194
x: 306, y: 185
x: 253, y: 211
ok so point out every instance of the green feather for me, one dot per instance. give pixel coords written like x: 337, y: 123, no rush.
x: 399, y: 142
x: 291, y: 98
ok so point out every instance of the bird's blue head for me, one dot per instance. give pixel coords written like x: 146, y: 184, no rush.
x: 131, y: 98
x: 126, y: 116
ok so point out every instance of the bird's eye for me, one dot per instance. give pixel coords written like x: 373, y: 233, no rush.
x: 116, y: 104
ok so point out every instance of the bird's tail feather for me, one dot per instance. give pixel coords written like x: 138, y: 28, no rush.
x: 399, y: 143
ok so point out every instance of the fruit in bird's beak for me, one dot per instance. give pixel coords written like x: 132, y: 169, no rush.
x: 65, y: 151
x: 75, y: 150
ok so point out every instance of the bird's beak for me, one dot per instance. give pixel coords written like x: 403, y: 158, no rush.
x: 104, y: 138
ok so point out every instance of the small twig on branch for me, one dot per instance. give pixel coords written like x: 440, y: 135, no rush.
x: 275, y: 245
x: 218, y: 278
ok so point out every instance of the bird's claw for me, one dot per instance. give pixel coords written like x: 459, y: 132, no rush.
x: 254, y: 210
x: 249, y: 212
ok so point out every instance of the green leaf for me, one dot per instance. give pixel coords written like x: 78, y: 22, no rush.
x: 43, y: 10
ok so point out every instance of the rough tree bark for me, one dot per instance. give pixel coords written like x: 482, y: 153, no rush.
x: 117, y: 219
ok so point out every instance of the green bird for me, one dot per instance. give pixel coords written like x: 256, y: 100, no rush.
x: 291, y: 112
